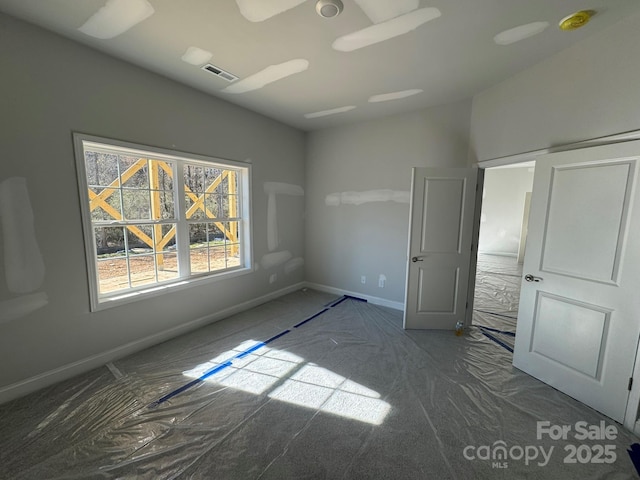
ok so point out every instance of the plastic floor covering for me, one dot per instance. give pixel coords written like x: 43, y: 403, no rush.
x: 280, y: 393
x: 496, y: 298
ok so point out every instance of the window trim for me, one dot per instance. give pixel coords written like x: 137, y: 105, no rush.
x: 103, y: 301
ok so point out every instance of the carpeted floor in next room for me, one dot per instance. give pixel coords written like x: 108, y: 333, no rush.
x: 347, y: 395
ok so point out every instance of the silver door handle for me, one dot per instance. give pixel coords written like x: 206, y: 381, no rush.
x: 417, y: 259
x: 530, y: 278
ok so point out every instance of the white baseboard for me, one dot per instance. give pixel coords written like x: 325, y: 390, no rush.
x: 70, y: 370
x: 369, y: 298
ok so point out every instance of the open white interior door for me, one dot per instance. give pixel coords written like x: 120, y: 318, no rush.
x: 440, y: 236
x: 579, y: 314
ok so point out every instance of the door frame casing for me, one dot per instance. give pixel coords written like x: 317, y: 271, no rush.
x: 474, y: 246
x: 631, y: 420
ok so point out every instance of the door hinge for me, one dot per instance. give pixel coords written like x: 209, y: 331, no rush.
x: 630, y: 383
x: 466, y: 306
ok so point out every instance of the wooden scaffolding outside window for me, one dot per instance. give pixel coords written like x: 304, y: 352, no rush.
x: 156, y: 220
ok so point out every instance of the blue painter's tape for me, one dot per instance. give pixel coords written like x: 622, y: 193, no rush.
x: 357, y: 299
x: 328, y: 304
x: 337, y: 302
x: 169, y: 396
x: 255, y: 347
x: 333, y: 303
x: 504, y: 332
x: 214, y: 370
x: 198, y: 380
x: 499, y: 342
x: 310, y: 318
x: 275, y: 337
x: 634, y: 454
x: 249, y: 350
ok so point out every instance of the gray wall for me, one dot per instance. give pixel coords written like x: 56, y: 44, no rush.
x: 586, y: 91
x: 502, y: 209
x: 347, y: 241
x: 51, y: 87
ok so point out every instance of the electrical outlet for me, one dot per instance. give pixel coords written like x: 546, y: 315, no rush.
x: 382, y: 280
x: 363, y: 279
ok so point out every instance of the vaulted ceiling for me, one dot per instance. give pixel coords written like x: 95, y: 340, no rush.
x: 377, y: 57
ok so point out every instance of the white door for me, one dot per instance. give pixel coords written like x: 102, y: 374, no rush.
x: 579, y: 314
x: 440, y: 235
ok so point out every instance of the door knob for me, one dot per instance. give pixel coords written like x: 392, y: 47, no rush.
x: 530, y: 278
x: 416, y: 259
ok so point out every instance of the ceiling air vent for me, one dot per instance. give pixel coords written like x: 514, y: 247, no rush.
x: 229, y: 77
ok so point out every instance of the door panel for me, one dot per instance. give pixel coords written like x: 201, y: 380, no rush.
x: 442, y: 207
x: 437, y: 290
x: 588, y: 325
x: 596, y: 232
x: 578, y: 322
x: 443, y: 201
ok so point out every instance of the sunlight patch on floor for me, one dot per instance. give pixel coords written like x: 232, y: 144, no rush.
x: 284, y: 376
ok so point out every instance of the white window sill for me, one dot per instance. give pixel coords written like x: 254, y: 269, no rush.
x: 116, y: 299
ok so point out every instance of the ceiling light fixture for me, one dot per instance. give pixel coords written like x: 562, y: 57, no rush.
x: 576, y: 20
x: 329, y: 8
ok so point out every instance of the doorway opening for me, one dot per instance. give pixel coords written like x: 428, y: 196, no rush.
x: 501, y: 247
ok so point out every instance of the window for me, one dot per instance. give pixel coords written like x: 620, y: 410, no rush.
x: 155, y: 219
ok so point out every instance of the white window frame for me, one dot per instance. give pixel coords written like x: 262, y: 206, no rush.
x: 100, y: 301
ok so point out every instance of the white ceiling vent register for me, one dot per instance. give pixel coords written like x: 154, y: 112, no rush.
x: 229, y: 77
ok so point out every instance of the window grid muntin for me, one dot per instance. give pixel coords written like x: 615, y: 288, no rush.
x: 242, y: 172
x: 201, y: 181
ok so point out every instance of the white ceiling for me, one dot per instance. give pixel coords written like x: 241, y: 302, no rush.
x: 449, y: 58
